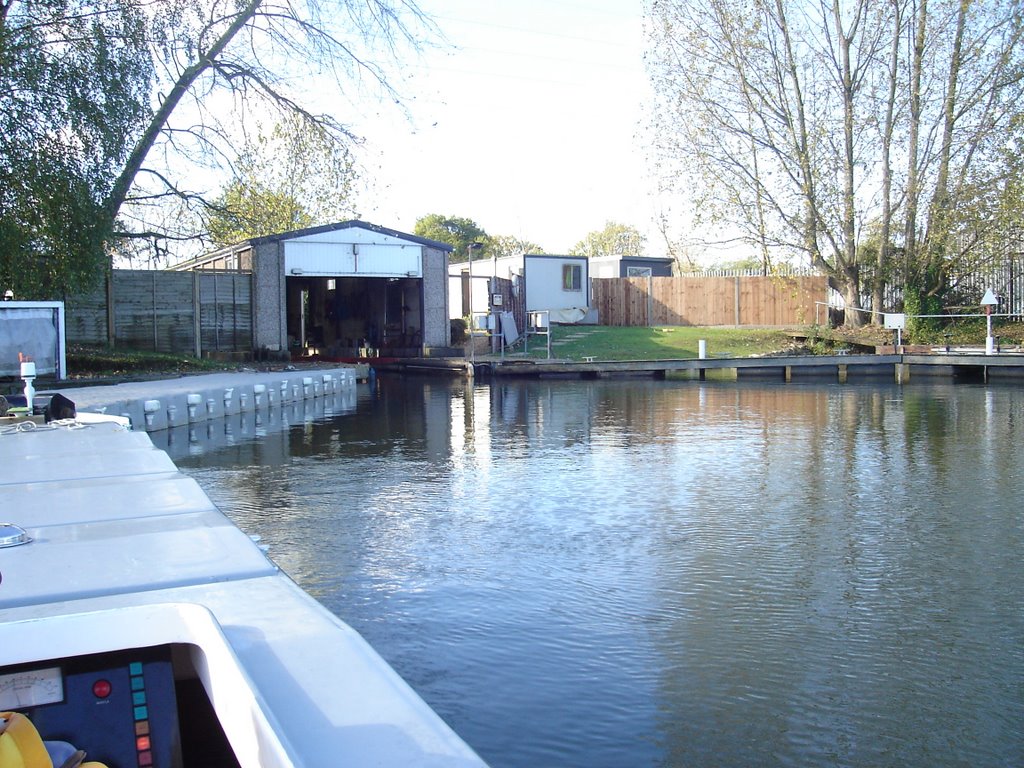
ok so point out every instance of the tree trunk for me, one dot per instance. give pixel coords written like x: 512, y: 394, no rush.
x: 882, y: 265
x: 847, y: 258
x: 934, y: 260
x: 854, y: 318
x: 801, y: 143
x: 913, y: 140
x: 204, y: 60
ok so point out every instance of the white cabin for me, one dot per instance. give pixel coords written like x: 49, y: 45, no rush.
x: 559, y: 285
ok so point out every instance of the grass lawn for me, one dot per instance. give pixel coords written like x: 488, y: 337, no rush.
x: 569, y: 342
x: 573, y: 342
x: 100, y: 361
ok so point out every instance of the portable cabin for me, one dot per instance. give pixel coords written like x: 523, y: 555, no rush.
x: 618, y: 265
x: 559, y: 285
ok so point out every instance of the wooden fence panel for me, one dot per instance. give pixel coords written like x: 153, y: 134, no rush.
x: 755, y: 305
x: 604, y: 298
x: 636, y: 301
x: 153, y: 310
x: 700, y: 300
x: 721, y: 293
x: 162, y: 311
x: 225, y: 311
x: 85, y: 316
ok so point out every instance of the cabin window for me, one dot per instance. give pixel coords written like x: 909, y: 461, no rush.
x: 572, y: 277
x: 638, y: 272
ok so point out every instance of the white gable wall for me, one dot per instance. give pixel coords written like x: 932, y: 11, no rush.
x: 352, y: 252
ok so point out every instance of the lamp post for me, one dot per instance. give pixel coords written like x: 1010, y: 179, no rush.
x: 472, y: 336
x: 492, y: 289
x: 988, y: 301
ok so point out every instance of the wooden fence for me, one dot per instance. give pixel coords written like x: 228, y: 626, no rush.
x: 195, y: 313
x: 701, y: 300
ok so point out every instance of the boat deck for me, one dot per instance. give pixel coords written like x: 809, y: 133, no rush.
x: 128, y: 553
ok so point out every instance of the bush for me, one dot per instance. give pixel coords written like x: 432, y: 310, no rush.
x: 923, y: 330
x: 458, y: 328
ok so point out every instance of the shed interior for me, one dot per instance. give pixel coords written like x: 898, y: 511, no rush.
x: 346, y: 318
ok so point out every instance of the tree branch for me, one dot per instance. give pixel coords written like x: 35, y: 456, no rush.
x: 119, y: 191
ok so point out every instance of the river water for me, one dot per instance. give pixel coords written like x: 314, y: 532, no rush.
x: 662, y: 573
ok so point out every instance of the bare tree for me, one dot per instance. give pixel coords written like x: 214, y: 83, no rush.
x: 888, y: 88
x: 224, y: 64
x: 795, y: 117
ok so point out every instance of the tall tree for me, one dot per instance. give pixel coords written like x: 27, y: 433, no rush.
x: 614, y: 239
x: 806, y: 125
x: 74, y: 88
x: 500, y: 246
x: 183, y: 78
x: 457, y: 231
x: 249, y: 208
x: 889, y: 85
x: 295, y: 176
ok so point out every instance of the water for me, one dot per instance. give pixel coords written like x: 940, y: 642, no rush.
x: 639, y: 573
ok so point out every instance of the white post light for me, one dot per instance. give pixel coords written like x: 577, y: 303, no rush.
x: 28, y: 375
x: 472, y: 336
x: 988, y: 301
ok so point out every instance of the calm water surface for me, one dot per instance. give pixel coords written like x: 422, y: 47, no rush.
x: 638, y: 573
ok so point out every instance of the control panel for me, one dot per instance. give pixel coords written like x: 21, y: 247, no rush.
x: 119, y: 707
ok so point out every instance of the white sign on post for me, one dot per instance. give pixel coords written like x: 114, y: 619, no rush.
x: 895, y: 320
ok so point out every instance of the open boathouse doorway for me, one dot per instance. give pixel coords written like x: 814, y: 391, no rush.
x: 342, y: 317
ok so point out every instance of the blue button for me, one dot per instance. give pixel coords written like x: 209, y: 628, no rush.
x: 139, y: 698
x: 135, y: 668
x: 142, y: 713
x: 138, y: 683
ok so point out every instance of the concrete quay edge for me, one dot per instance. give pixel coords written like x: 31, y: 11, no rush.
x: 152, y: 406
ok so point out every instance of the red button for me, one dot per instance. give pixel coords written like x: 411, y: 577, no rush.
x: 101, y: 689
x: 142, y: 743
x: 145, y: 758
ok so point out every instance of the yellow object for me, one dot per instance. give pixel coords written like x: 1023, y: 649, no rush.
x: 22, y: 747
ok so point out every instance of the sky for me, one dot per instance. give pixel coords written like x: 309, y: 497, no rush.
x: 526, y: 119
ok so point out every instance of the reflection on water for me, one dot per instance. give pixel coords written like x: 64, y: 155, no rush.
x: 238, y: 431
x: 631, y: 573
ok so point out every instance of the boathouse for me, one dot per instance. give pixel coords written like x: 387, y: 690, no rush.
x: 344, y: 290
